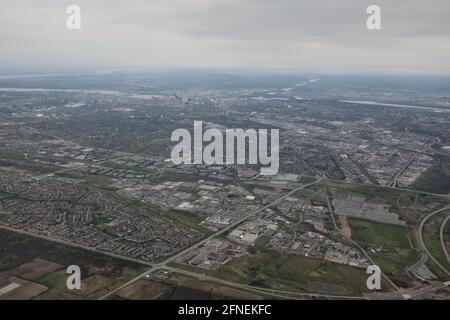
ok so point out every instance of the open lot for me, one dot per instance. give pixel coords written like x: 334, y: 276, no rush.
x: 389, y: 246
x: 184, y: 287
x: 281, y: 271
x: 408, y: 205
x: 144, y: 290
x: 13, y: 288
x: 44, y: 262
x: 35, y: 269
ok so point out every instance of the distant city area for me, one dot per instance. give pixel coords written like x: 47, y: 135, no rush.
x: 86, y: 178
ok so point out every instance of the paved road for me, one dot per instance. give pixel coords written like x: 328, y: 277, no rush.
x: 411, y: 293
x: 394, y: 105
x: 290, y: 294
x: 425, y: 253
x: 439, y: 195
x: 154, y: 267
x: 158, y: 266
x: 358, y: 246
x: 416, y: 266
x: 76, y: 245
x: 441, y: 236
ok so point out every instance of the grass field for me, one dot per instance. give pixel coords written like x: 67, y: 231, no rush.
x: 97, y: 181
x: 432, y: 240
x: 103, y: 218
x: 175, y: 176
x: 280, y: 271
x: 180, y: 287
x: 261, y: 242
x: 306, y: 180
x: 437, y: 271
x: 3, y: 195
x: 135, y: 169
x: 190, y: 220
x: 32, y: 168
x: 55, y: 280
x: 396, y: 252
x: 99, y: 273
x: 184, y: 287
x: 11, y: 155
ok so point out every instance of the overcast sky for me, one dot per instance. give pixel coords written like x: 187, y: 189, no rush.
x: 310, y: 35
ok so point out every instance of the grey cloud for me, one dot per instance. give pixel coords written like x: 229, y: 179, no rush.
x: 299, y: 33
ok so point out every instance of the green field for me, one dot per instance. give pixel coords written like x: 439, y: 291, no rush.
x: 175, y: 176
x: 3, y: 195
x: 183, y: 217
x: 11, y: 155
x: 118, y: 166
x: 99, y: 273
x: 280, y: 271
x: 432, y: 241
x: 306, y: 180
x: 184, y: 287
x: 368, y: 232
x: 55, y: 280
x: 97, y: 181
x: 103, y: 218
x: 102, y: 184
x: 396, y: 253
x: 261, y: 242
x: 186, y: 218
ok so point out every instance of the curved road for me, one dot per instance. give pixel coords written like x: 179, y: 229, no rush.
x: 260, y: 289
x: 358, y: 246
x: 425, y: 253
x: 162, y: 264
x: 441, y: 236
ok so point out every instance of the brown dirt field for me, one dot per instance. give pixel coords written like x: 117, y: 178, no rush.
x: 55, y: 294
x: 92, y: 287
x: 34, y: 269
x: 26, y: 291
x: 96, y: 286
x: 143, y: 290
x: 345, y: 226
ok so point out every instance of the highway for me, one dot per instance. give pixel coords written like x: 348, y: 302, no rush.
x: 358, y: 246
x: 278, y: 293
x: 73, y: 244
x: 425, y: 253
x: 441, y: 236
x: 439, y: 195
x: 394, y: 105
x: 158, y: 266
x: 153, y: 267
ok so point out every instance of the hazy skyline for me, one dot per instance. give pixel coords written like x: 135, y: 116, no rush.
x: 312, y: 35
